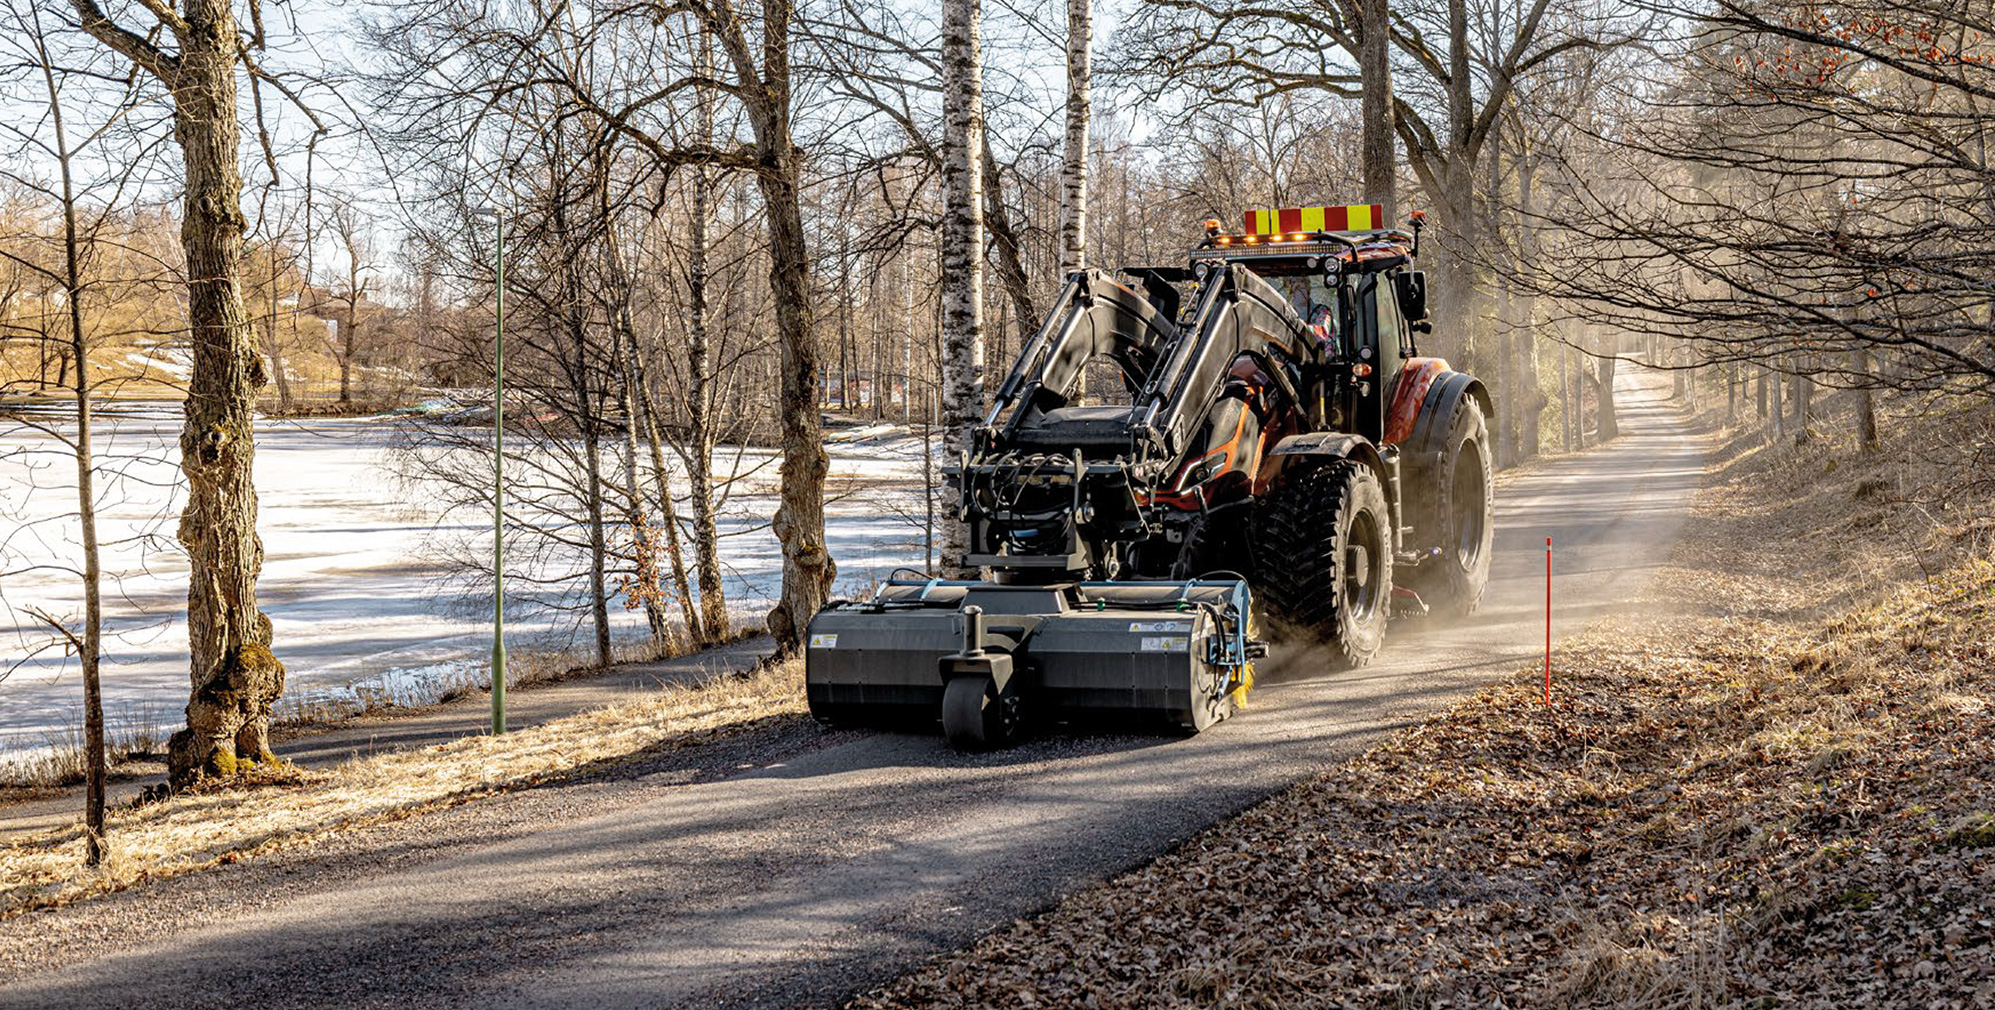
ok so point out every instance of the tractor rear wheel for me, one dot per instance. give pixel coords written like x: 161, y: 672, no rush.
x: 976, y: 715
x: 1452, y: 581
x: 1323, y: 548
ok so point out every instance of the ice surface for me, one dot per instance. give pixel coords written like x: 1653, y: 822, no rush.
x: 351, y: 579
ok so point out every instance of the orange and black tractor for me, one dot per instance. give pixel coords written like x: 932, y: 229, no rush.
x: 1179, y: 449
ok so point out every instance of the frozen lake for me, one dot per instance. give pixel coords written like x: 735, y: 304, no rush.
x: 354, y: 570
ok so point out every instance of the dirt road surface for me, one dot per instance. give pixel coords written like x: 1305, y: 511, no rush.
x: 793, y: 867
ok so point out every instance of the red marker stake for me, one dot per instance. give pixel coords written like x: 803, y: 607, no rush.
x: 1548, y: 622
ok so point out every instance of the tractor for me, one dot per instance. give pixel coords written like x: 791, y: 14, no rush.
x: 1181, y: 455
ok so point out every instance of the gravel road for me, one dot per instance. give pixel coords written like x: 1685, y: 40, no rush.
x: 791, y: 866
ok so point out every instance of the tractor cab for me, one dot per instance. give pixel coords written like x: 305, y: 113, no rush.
x: 1336, y: 265
x: 1350, y: 283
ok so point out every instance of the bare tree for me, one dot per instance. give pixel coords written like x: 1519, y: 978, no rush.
x: 1227, y: 55
x: 348, y: 227
x: 1807, y: 197
x: 235, y: 676
x: 86, y: 641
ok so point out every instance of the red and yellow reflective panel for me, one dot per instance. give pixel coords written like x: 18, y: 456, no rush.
x: 1354, y: 217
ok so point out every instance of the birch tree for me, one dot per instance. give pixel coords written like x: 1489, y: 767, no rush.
x: 962, y: 238
x: 1074, y: 171
x: 351, y: 293
x: 87, y: 641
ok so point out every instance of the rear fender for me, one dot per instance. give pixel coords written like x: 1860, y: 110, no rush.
x: 1423, y: 448
x: 1322, y: 446
x: 1416, y: 378
x: 1430, y: 430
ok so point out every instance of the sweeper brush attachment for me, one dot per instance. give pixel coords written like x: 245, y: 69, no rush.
x: 986, y: 657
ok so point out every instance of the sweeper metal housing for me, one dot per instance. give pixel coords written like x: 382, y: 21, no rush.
x: 1177, y: 449
x: 1134, y: 653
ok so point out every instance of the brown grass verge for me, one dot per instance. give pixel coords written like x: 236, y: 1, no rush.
x: 1778, y: 795
x: 300, y: 713
x: 205, y: 828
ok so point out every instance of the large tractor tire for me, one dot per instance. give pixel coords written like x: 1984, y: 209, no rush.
x: 1452, y: 581
x: 1324, y: 554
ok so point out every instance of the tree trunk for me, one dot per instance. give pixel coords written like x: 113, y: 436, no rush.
x: 1567, y: 399
x: 1004, y: 253
x: 1508, y: 383
x: 271, y: 346
x: 643, y: 550
x: 234, y: 675
x: 1456, y: 327
x: 1074, y: 168
x: 90, y: 647
x: 1776, y: 413
x: 592, y: 467
x: 1804, y: 395
x: 1381, y: 162
x: 844, y: 303
x: 1866, y: 403
x: 928, y: 492
x: 661, y: 478
x: 962, y: 232
x: 674, y: 551
x: 1609, y: 425
x: 907, y: 337
x: 348, y: 346
x: 1531, y: 400
x: 700, y: 400
x: 808, y: 568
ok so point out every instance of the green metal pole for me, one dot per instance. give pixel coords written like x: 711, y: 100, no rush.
x: 499, y: 494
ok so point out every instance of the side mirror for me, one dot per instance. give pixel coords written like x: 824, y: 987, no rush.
x: 1411, y: 289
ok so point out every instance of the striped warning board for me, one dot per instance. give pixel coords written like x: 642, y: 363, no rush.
x: 1355, y: 217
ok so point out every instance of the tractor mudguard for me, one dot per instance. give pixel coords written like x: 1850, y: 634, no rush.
x: 1416, y: 378
x: 1329, y: 445
x: 1430, y: 430
x: 1421, y: 452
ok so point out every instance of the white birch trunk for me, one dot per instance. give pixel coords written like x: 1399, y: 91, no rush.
x: 1074, y: 173
x: 962, y: 240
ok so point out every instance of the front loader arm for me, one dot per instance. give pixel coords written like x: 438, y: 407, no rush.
x: 1094, y: 316
x: 1238, y: 314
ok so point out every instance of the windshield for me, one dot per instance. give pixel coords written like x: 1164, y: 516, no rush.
x: 1314, y: 298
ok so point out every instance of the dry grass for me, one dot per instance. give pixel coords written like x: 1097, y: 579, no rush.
x: 132, y: 739
x: 307, y: 711
x: 201, y: 829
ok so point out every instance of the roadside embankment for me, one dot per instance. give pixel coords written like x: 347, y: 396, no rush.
x: 1774, y: 787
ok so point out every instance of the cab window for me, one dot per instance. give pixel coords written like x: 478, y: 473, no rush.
x: 1392, y: 329
x: 1315, y: 300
